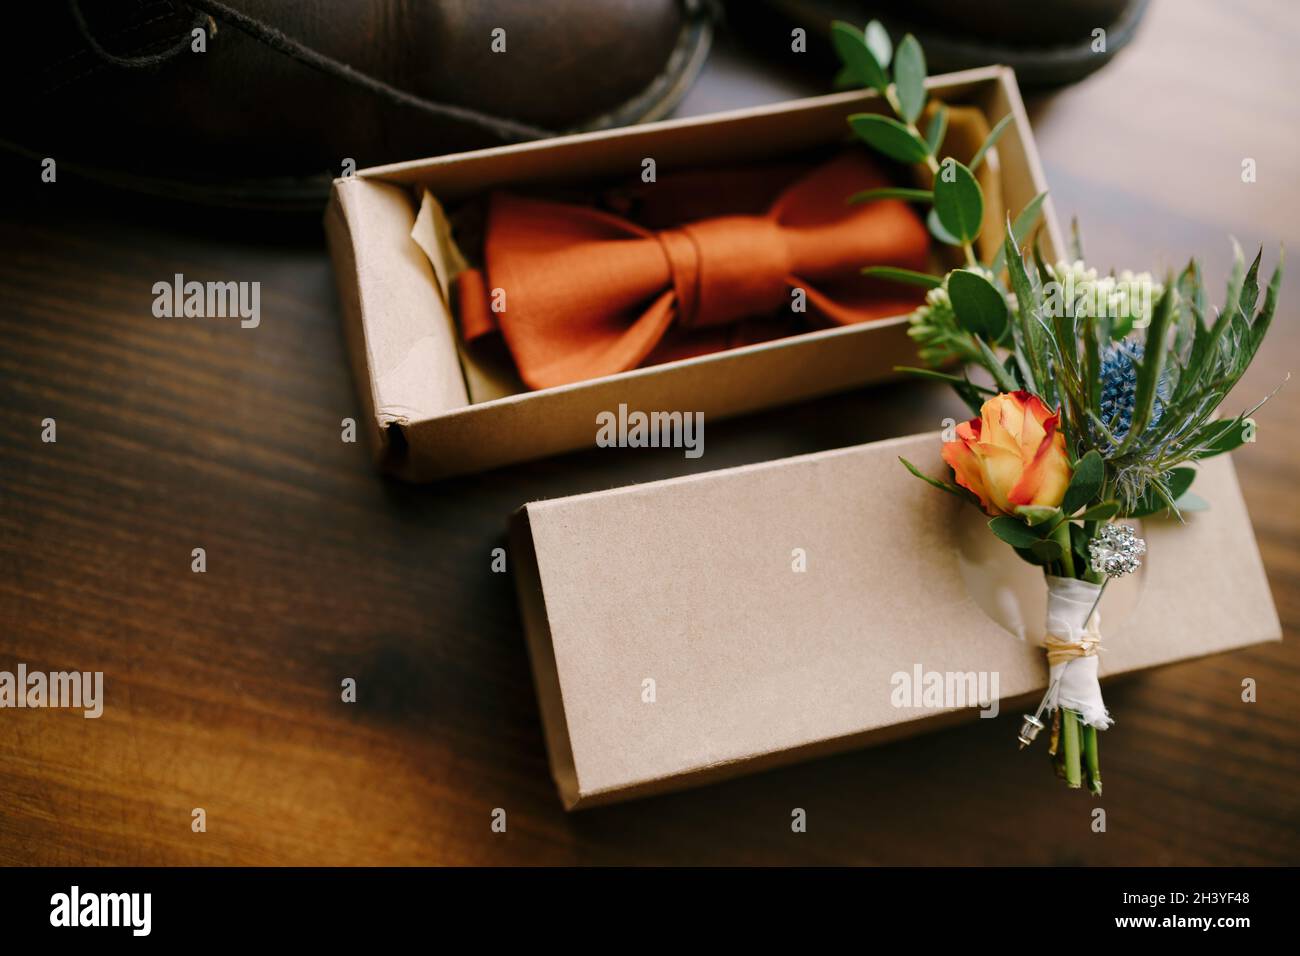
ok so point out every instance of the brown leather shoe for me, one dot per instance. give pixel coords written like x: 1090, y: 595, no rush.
x: 1047, y: 44
x: 257, y: 102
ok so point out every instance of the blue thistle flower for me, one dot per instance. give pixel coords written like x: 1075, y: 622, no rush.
x: 1119, y: 388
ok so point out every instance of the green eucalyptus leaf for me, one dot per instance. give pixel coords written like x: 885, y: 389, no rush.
x: 1102, y: 512
x: 938, y: 231
x: 1179, y: 481
x: 909, y: 78
x: 958, y: 200
x: 889, y: 136
x: 851, y: 45
x: 878, y: 42
x: 978, y: 304
x: 937, y: 129
x: 845, y: 79
x: 990, y: 141
x: 1014, y: 532
x: 908, y: 276
x: 1089, y: 471
x: 893, y: 192
x: 1190, y: 502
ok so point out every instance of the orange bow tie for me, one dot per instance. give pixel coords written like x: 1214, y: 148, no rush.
x: 584, y: 293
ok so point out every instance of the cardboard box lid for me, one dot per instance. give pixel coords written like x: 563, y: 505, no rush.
x: 690, y: 582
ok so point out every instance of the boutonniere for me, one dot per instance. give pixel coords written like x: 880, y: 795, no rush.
x: 1093, y: 395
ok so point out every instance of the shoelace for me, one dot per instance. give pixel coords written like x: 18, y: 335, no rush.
x: 206, y: 10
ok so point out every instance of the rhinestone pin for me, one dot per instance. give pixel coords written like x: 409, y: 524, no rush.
x: 1116, y: 551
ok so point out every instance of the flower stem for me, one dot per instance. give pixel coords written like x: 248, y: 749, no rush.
x: 931, y: 160
x: 1090, y: 532
x: 1061, y: 535
x: 1090, y: 759
x: 1070, y: 748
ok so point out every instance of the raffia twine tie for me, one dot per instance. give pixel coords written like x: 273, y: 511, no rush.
x: 1061, y: 650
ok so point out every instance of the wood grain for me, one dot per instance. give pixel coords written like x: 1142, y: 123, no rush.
x: 223, y: 688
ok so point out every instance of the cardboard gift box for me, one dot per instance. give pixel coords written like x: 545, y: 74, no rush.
x: 687, y: 630
x: 417, y: 385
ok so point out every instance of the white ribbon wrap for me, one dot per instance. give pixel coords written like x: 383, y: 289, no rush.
x: 1073, y: 682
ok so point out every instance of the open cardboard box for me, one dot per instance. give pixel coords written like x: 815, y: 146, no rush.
x: 693, y: 584
x: 403, y: 341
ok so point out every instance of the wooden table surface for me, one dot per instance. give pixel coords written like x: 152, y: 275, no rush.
x: 222, y: 688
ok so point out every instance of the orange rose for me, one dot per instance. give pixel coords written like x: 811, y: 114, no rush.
x: 1011, y: 455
